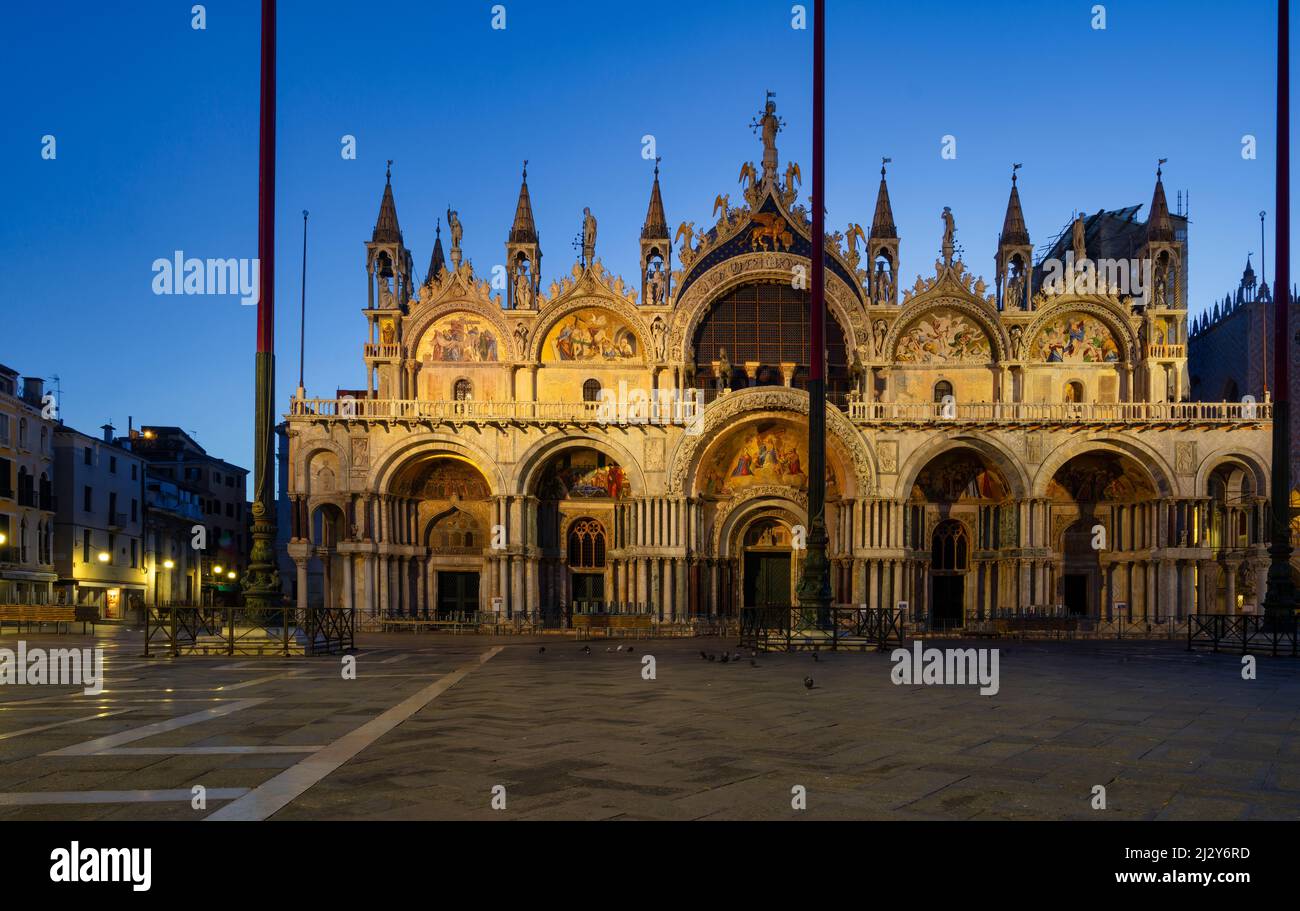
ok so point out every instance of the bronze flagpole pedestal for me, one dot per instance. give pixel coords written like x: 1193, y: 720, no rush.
x: 814, y: 588
x: 262, y: 581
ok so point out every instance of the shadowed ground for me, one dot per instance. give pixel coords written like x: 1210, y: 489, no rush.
x: 1170, y: 735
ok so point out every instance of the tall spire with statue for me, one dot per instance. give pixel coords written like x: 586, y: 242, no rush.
x: 524, y: 253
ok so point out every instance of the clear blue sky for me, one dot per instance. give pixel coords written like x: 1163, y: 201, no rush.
x: 156, y: 129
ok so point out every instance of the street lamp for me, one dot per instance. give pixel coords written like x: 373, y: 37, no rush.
x: 231, y: 574
x: 216, y: 570
x: 3, y: 538
x: 103, y: 556
x: 168, y: 564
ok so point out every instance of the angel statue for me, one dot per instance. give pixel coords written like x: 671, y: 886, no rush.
x: 453, y: 224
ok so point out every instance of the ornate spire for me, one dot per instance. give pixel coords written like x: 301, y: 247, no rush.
x: 1013, y: 226
x: 656, y: 223
x: 1159, y: 227
x: 438, y: 262
x: 524, y: 231
x: 882, y: 225
x: 386, y: 229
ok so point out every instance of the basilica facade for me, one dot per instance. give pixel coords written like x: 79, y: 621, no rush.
x: 577, y: 442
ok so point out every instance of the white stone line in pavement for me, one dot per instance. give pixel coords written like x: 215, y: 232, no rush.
x: 208, y: 751
x: 271, y: 796
x: 169, y: 795
x: 395, y: 658
x: 58, y: 724
x: 103, y: 745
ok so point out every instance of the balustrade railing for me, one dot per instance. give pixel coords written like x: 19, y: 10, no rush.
x: 472, y: 411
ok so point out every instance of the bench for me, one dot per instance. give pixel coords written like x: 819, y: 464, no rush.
x: 38, y: 615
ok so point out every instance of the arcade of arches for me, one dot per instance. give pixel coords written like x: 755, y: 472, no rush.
x: 991, y: 447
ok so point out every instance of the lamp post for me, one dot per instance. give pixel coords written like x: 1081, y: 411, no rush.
x: 262, y: 581
x: 814, y: 589
x: 1279, y: 598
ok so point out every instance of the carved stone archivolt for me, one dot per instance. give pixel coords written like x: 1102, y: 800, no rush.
x: 1109, y: 310
x: 625, y: 310
x: 978, y: 311
x: 775, y: 501
x: 724, y: 413
x: 424, y: 317
x: 759, y: 267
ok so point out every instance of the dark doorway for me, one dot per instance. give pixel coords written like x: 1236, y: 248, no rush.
x: 1076, y: 594
x: 457, y: 594
x: 767, y: 579
x: 589, y: 588
x: 946, y: 611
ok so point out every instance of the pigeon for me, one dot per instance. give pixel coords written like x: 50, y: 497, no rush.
x: 816, y: 657
x: 753, y: 663
x: 712, y: 657
x: 629, y: 649
x: 736, y: 657
x: 619, y: 649
x: 542, y: 650
x: 725, y: 657
x: 608, y: 649
x: 586, y: 649
x: 703, y: 656
x: 808, y: 683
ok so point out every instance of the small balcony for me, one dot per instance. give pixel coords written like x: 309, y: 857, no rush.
x: 1165, y: 352
x: 383, y: 352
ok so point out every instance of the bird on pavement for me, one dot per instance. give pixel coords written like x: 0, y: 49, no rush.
x: 542, y: 650
x: 725, y: 657
x: 808, y: 683
x: 703, y: 655
x: 586, y: 649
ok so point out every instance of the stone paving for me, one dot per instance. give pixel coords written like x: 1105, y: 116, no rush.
x: 433, y: 723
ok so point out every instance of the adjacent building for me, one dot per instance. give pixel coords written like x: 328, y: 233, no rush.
x: 26, y: 490
x: 979, y: 433
x: 99, y: 552
x: 187, y: 478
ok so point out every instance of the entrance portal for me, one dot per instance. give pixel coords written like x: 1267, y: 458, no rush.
x: 767, y: 579
x: 457, y: 594
x: 949, y: 563
x: 1076, y: 594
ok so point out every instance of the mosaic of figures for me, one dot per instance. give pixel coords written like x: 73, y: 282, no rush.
x: 450, y: 479
x: 956, y: 477
x: 586, y: 475
x: 1098, y: 479
x: 771, y: 453
x: 1076, y: 339
x: 459, y: 338
x: 943, y: 336
x: 590, y: 335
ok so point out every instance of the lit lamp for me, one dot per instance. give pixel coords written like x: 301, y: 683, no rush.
x: 3, y: 538
x: 103, y: 556
x: 216, y: 570
x: 230, y: 575
x: 168, y: 564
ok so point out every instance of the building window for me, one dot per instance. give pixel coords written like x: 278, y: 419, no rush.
x: 586, y: 545
x: 87, y: 499
x: 463, y: 391
x: 135, y: 509
x: 134, y: 555
x: 1072, y: 394
x: 950, y: 552
x: 22, y: 433
x: 591, y: 391
x: 87, y: 456
x: 942, y: 389
x: 4, y: 429
x: 133, y: 470
x: 112, y: 464
x: 6, y: 479
x: 85, y: 545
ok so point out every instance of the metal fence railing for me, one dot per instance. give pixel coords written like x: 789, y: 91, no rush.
x: 1243, y: 633
x: 181, y: 630
x: 783, y: 628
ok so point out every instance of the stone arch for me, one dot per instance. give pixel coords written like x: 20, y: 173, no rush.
x: 434, y: 443
x: 998, y: 454
x: 422, y: 321
x: 534, y: 461
x: 844, y: 304
x: 1101, y: 308
x: 1254, y: 463
x: 917, y: 308
x: 327, y: 509
x: 1158, y: 470
x: 551, y: 316
x: 788, y: 505
x: 722, y: 415
x: 307, y: 451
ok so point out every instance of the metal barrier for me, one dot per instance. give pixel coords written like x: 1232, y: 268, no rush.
x: 792, y: 628
x: 179, y: 630
x: 1243, y: 633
